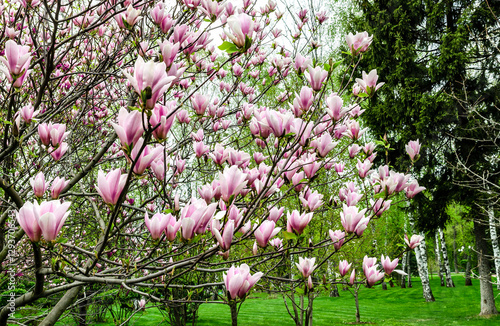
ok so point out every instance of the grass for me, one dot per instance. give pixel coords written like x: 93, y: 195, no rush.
x: 396, y: 306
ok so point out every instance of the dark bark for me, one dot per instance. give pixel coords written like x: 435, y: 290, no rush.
x: 468, y: 280
x: 234, y: 313
x: 483, y: 264
x: 61, y: 307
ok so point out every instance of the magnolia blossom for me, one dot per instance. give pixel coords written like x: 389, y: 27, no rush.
x: 129, y: 128
x: 111, y: 185
x: 241, y: 26
x: 239, y: 281
x: 413, y: 149
x: 297, y: 222
x: 145, y: 158
x: 265, y: 232
x: 232, y: 181
x: 358, y: 43
x: 16, y: 63
x: 195, y: 217
x: 157, y: 224
x: 316, y: 77
x: 388, y: 265
x: 128, y: 18
x: 162, y: 118
x: 306, y: 266
x: 27, y: 218
x: 344, y: 267
x: 226, y: 238
x: 28, y: 113
x: 414, y: 241
x: 39, y: 185
x: 45, y: 219
x: 150, y: 81
x: 338, y: 238
x: 412, y: 189
x: 353, y: 220
x: 58, y: 184
x: 369, y: 82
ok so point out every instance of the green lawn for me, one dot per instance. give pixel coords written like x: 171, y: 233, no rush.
x: 396, y: 306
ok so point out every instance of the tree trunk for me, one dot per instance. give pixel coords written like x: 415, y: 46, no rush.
x: 494, y: 243
x: 468, y: 280
x: 423, y: 271
x: 408, y: 259
x: 446, y: 262
x: 334, y: 293
x: 455, y: 258
x: 61, y: 306
x: 358, y: 317
x: 234, y: 313
x: 403, y: 267
x: 438, y: 259
x: 487, y: 296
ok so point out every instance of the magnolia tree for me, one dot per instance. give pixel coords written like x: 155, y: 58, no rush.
x: 159, y: 152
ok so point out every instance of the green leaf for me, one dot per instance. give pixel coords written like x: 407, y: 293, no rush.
x: 229, y: 47
x: 363, y: 95
x: 289, y: 235
x: 62, y: 240
x: 326, y: 67
x: 336, y: 64
x: 299, y: 291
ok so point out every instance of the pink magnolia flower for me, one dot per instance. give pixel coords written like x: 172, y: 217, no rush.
x: 195, y: 217
x: 232, y: 181
x: 58, y: 184
x: 369, y: 82
x: 27, y: 218
x: 389, y: 265
x: 305, y: 99
x: 206, y: 192
x: 200, y: 103
x: 239, y: 281
x: 172, y: 227
x: 28, y: 112
x: 306, y: 266
x: 301, y: 63
x: 157, y: 224
x: 380, y: 206
x: 162, y: 118
x: 226, y: 238
x: 129, y: 128
x: 168, y: 51
x: 413, y: 149
x: 38, y: 184
x: 265, y: 232
x: 373, y: 275
x: 145, y: 158
x: 200, y: 149
x: 325, y: 144
x: 334, y: 104
x: 297, y: 222
x: 352, y: 279
x: 129, y: 18
x: 150, y: 81
x: 316, y: 77
x: 240, y: 27
x: 414, y: 241
x: 259, y: 157
x: 17, y: 62
x: 358, y: 43
x: 413, y: 189
x: 344, y: 267
x: 52, y: 215
x: 275, y: 214
x: 311, y: 200
x: 110, y: 186
x: 363, y: 168
x: 183, y: 117
x: 58, y: 152
x: 353, y: 220
x: 338, y: 238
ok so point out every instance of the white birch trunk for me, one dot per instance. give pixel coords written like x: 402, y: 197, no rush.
x: 494, y: 242
x: 423, y: 271
x: 446, y: 261
x: 438, y: 259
